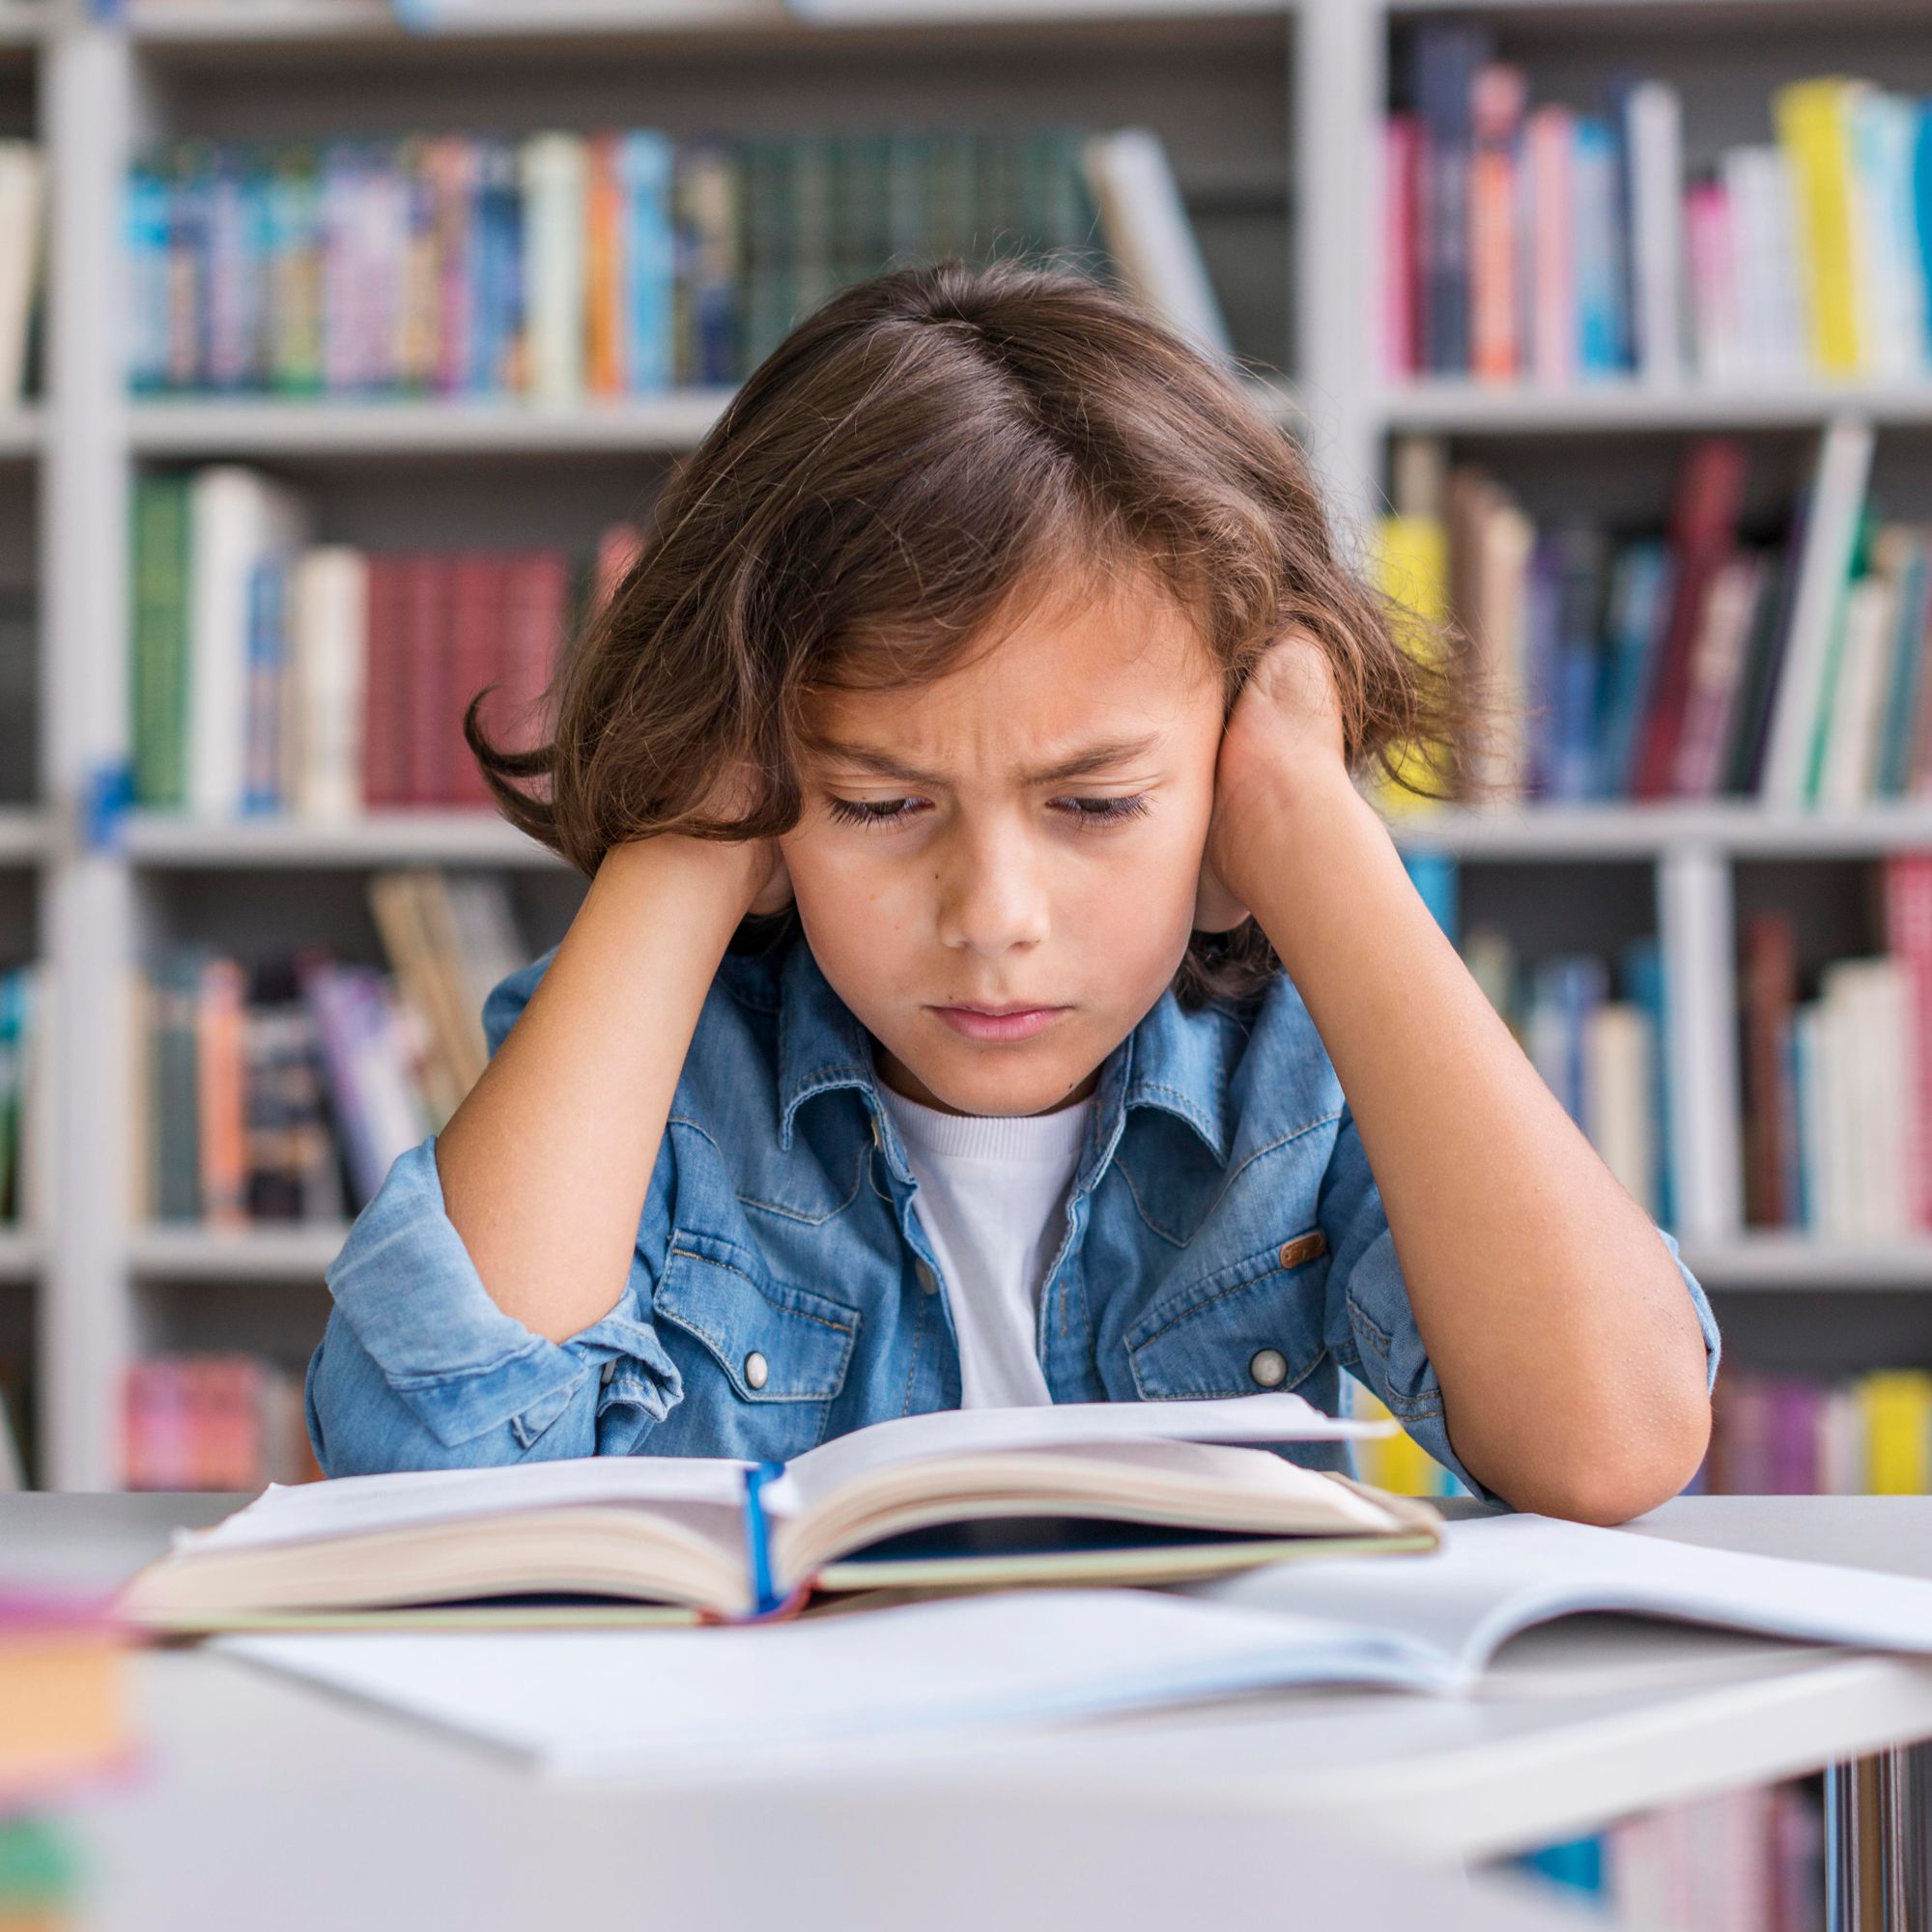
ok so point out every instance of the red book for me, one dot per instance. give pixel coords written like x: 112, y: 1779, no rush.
x: 1769, y: 995
x: 1703, y: 532
x: 1908, y: 928
x: 384, y: 693
x: 536, y: 614
x: 1496, y: 102
x: 475, y: 649
x: 426, y: 676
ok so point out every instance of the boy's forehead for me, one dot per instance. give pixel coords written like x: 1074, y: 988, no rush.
x: 1062, y: 674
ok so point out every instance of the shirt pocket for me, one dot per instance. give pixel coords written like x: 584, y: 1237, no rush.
x: 762, y: 1359
x: 1250, y: 1327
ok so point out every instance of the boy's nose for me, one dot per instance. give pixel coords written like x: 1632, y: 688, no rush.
x: 992, y: 896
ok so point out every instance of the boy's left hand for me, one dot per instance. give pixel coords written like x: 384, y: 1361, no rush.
x: 1283, y: 737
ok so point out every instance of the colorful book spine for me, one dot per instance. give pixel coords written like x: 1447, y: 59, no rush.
x: 1809, y: 256
x: 556, y: 266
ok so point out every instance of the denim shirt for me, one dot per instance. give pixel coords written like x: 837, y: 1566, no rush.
x: 1222, y: 1226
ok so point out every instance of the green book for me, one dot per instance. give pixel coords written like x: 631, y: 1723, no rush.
x: 159, y: 673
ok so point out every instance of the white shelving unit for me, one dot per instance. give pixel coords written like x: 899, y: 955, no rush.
x: 1282, y: 100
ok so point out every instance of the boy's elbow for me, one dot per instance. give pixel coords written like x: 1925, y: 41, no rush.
x: 1616, y: 1482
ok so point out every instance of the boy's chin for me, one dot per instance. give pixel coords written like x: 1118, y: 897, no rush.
x: 1010, y: 1089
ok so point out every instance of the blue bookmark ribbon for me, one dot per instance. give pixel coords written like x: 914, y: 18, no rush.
x: 758, y: 1537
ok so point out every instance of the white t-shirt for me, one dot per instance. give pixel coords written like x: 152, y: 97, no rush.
x: 989, y: 1191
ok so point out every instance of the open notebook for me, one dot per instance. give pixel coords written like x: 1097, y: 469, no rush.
x: 669, y: 1703
x: 1078, y: 1492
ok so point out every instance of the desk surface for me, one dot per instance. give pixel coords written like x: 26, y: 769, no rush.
x: 310, y: 1811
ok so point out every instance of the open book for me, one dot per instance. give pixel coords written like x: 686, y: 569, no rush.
x: 1078, y: 1492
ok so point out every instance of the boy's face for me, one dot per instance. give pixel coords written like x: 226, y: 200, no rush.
x: 996, y: 872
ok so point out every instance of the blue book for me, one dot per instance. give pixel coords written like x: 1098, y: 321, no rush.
x: 1575, y: 664
x: 496, y: 266
x: 644, y: 167
x: 145, y: 232
x: 263, y: 781
x: 1908, y: 675
x: 1641, y: 584
x: 1921, y: 200
x: 1436, y: 879
x: 1602, y: 327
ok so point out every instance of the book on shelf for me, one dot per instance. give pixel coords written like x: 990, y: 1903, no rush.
x: 1789, y: 1434
x: 1076, y: 1493
x: 282, y: 1091
x: 1709, y: 660
x: 1752, y: 1857
x: 1838, y: 1090
x: 271, y: 677
x: 1558, y: 242
x: 25, y: 993
x: 562, y: 265
x: 219, y: 1421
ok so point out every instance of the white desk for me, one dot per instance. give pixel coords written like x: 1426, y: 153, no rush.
x: 266, y: 1803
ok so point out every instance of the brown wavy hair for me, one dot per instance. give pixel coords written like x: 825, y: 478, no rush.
x: 910, y: 457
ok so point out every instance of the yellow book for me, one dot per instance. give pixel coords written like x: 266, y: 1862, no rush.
x: 1397, y: 1464
x: 1412, y: 573
x: 1812, y: 118
x: 1896, y: 1405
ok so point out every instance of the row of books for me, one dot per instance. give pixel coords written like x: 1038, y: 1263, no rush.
x: 212, y: 1422
x: 1752, y: 1857
x: 559, y: 265
x: 1837, y: 1087
x: 270, y: 675
x: 1695, y: 662
x: 283, y: 1091
x: 1594, y: 1033
x: 22, y: 1032
x: 1554, y: 243
x: 1796, y: 1435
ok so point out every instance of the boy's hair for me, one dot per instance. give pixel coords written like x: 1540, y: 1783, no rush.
x: 915, y: 454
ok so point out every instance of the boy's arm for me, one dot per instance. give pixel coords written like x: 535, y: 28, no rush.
x: 545, y: 1165
x: 1573, y: 1366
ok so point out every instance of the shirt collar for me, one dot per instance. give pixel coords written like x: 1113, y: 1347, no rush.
x: 1166, y: 1062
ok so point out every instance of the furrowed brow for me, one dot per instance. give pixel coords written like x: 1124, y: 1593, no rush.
x: 1080, y: 764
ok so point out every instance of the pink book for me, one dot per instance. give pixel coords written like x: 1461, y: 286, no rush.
x: 1496, y: 102
x: 1550, y: 138
x: 477, y: 615
x: 1401, y: 149
x: 1792, y: 1423
x: 1714, y: 289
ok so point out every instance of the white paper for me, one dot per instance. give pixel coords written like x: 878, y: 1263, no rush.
x: 665, y: 1701
x: 1495, y: 1575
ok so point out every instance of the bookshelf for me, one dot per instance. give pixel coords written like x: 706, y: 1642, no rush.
x: 1272, y: 113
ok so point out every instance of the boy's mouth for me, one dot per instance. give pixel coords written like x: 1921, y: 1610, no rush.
x: 998, y: 1024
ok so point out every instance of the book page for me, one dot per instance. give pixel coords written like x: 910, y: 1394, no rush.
x: 668, y: 1702
x: 965, y: 1431
x: 353, y: 1505
x: 1495, y: 1575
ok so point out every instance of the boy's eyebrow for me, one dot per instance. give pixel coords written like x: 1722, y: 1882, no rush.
x: 1090, y: 758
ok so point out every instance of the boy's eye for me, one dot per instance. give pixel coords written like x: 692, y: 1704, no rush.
x: 1096, y: 811
x: 1083, y: 812
x: 873, y: 810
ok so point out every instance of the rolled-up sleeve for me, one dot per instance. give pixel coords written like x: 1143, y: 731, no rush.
x: 1370, y: 1326
x: 418, y: 1368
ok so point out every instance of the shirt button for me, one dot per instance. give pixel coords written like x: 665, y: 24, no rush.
x: 609, y: 1370
x: 928, y: 1280
x: 1270, y: 1368
x: 757, y: 1370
